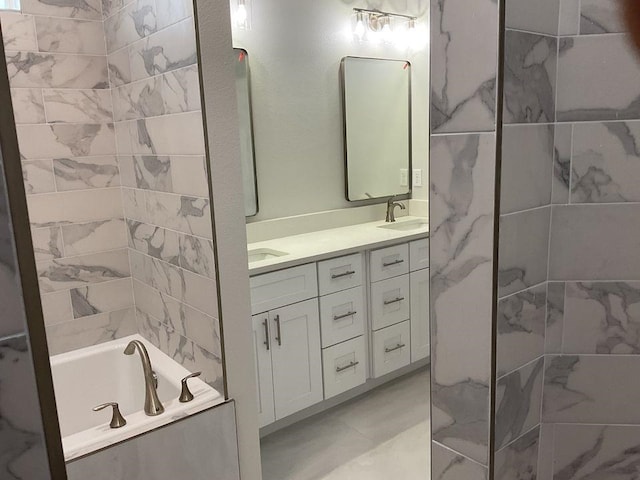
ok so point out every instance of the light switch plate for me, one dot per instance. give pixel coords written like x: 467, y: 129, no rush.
x: 417, y: 177
x: 404, y: 177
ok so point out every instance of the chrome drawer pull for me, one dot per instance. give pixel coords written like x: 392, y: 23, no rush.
x: 345, y: 274
x: 340, y: 317
x: 393, y: 349
x: 395, y: 262
x: 396, y: 300
x: 266, y: 334
x: 278, y: 331
x: 346, y: 367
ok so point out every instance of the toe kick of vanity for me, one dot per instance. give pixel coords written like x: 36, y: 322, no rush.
x: 340, y: 325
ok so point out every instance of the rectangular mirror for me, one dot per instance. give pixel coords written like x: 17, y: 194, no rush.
x: 247, y: 152
x: 377, y: 127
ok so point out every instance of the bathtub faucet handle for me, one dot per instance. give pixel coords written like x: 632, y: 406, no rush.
x: 117, y: 420
x: 185, y: 394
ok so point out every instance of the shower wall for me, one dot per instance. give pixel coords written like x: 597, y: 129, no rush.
x: 107, y: 106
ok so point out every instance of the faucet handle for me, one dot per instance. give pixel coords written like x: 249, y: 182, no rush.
x: 185, y: 394
x: 117, y: 420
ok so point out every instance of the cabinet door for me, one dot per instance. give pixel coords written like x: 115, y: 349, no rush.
x: 296, y: 357
x: 419, y: 314
x: 390, y: 302
x: 262, y: 364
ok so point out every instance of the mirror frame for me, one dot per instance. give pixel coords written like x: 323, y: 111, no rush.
x: 343, y: 95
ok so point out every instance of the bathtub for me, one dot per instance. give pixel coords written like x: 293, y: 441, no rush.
x: 103, y: 373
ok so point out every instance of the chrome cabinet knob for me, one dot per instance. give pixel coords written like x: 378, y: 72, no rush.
x: 117, y: 420
x: 185, y: 394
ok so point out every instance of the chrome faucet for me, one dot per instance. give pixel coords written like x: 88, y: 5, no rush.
x: 391, y: 206
x: 152, y: 404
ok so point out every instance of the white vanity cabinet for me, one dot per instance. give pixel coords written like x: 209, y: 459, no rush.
x: 419, y: 280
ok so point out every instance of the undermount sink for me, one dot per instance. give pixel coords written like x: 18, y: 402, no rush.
x: 406, y: 226
x: 264, y: 254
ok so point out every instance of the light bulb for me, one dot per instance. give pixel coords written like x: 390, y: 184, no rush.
x: 241, y: 15
x: 360, y: 29
x: 387, y: 34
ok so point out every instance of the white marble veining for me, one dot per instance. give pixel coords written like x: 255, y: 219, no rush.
x: 87, y: 9
x: 101, y: 298
x: 539, y: 17
x: 137, y: 20
x: 448, y: 465
x: 64, y: 35
x: 601, y: 16
x: 65, y: 140
x: 78, y: 106
x: 18, y: 31
x: 555, y: 317
x: 38, y: 177
x: 47, y: 243
x: 313, y: 246
x: 563, y: 143
x: 519, y: 460
x: 94, y: 237
x: 28, y: 105
x: 185, y: 214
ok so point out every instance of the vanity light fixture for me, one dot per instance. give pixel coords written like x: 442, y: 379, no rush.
x: 391, y: 28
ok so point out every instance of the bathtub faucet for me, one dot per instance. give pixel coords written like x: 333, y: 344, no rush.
x: 152, y: 404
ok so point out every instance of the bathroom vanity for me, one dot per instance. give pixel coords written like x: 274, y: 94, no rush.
x: 336, y: 313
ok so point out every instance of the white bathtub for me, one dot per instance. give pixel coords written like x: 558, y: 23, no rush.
x: 103, y: 373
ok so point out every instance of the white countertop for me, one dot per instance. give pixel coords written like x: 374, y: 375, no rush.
x: 324, y: 244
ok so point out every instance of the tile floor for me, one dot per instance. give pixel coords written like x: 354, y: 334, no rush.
x: 383, y: 434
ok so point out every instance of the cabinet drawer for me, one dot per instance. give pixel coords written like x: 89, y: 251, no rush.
x: 345, y: 366
x: 340, y: 273
x: 419, y: 254
x: 389, y: 262
x: 390, y: 302
x: 391, y: 349
x: 284, y: 287
x: 342, y: 316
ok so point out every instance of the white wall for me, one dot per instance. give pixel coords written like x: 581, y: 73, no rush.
x: 295, y: 48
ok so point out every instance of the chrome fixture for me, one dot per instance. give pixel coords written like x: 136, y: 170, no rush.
x: 117, y: 420
x: 392, y: 28
x: 152, y: 404
x: 185, y: 394
x: 391, y: 205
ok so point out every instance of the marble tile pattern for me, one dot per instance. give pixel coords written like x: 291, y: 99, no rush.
x: 519, y: 460
x: 601, y: 16
x: 463, y: 79
x: 530, y: 77
x: 563, y: 144
x: 518, y: 402
x: 446, y: 464
x: 535, y: 17
x: 555, y: 317
x: 201, y: 444
x: 521, y: 328
x: 461, y: 267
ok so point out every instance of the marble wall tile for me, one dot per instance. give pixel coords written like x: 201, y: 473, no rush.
x: 181, y: 134
x: 520, y: 459
x: 518, y: 402
x: 521, y: 328
x: 94, y: 237
x: 210, y: 447
x: 87, y: 331
x: 63, y: 35
x: 47, y: 243
x: 181, y: 213
x: 555, y: 317
x: 605, y: 163
x: 18, y: 31
x: 158, y: 242
x: 602, y: 318
x: 38, y: 177
x: 101, y: 298
x: 595, y: 242
x: 189, y: 175
x: 75, y: 272
x: 56, y: 70
x: 527, y: 162
x: 463, y: 80
x: 139, y: 99
x: 448, y: 465
x: 88, y: 172
x: 563, y: 144
x: 601, y: 16
x: 197, y: 255
x: 123, y: 133
x: 596, y: 451
x: 134, y: 203
x: 569, y: 23
x: 65, y: 140
x: 172, y: 11
x: 461, y: 264
x: 524, y: 249
x: 591, y: 389
x: 596, y: 79
x: 530, y: 77
x: 87, y: 9
x: 74, y: 207
x: 181, y: 90
x: 537, y: 17
x: 137, y: 20
x: 546, y: 452
x: 148, y: 172
x: 109, y: 7
x: 78, y: 106
x: 56, y: 307
x: 22, y: 445
x: 119, y: 68
x: 167, y: 50
x: 28, y: 105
